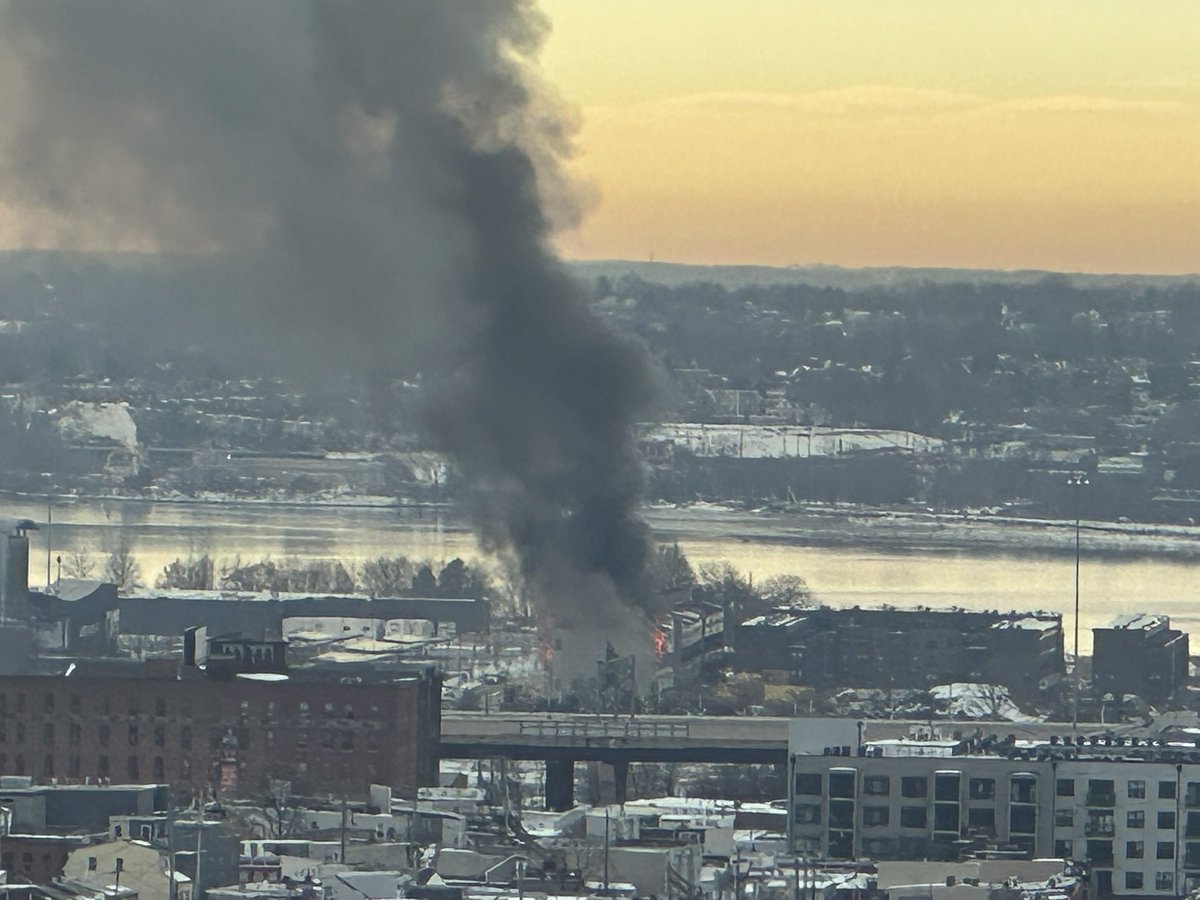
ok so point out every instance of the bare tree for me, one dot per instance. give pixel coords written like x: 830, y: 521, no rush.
x: 387, y: 576
x: 786, y: 590
x: 78, y: 565
x: 191, y: 574
x: 122, y: 569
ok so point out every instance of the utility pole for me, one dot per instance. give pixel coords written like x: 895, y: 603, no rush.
x: 49, y: 528
x: 343, y: 832
x: 606, y: 814
x: 1077, y: 480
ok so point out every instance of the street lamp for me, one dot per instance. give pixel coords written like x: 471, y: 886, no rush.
x: 1076, y: 480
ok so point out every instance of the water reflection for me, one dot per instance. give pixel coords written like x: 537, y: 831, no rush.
x: 158, y: 533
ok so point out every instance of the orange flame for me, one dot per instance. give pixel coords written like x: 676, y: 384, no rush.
x: 660, y: 643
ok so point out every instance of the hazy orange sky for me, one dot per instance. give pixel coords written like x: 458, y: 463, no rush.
x: 983, y: 133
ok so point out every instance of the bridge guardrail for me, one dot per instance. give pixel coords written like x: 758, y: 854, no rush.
x: 603, y: 728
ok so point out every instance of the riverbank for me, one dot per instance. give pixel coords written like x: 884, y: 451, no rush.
x: 819, y: 525
x: 901, y: 530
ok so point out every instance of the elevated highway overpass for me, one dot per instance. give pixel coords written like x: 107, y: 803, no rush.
x: 562, y: 739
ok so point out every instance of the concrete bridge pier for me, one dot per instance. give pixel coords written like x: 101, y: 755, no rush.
x: 611, y: 780
x: 560, y: 784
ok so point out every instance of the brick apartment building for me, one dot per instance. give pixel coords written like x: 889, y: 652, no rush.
x: 1139, y: 654
x: 223, y: 736
x: 909, y: 648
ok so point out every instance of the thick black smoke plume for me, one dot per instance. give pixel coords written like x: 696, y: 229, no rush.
x: 366, y: 184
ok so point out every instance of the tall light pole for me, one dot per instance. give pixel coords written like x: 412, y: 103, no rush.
x: 1076, y: 480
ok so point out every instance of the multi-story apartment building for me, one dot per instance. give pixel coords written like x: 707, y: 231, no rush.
x: 218, y: 732
x: 911, y: 648
x: 1139, y: 654
x: 1130, y: 810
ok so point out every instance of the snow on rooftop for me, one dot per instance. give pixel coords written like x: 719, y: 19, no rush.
x: 1137, y: 622
x: 1031, y: 623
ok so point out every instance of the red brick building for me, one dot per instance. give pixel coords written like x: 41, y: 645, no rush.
x: 161, y: 722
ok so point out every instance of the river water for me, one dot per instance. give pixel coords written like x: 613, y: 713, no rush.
x: 982, y: 577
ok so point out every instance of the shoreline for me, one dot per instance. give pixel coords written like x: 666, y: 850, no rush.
x: 912, y: 531
x: 892, y: 530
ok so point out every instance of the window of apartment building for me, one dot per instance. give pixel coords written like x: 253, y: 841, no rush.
x: 1100, y: 853
x: 914, y: 786
x: 1136, y: 790
x: 48, y: 703
x: 1135, y: 818
x: 1064, y: 848
x: 160, y: 706
x: 1135, y: 849
x: 1133, y: 881
x: 841, y: 784
x: 159, y: 768
x: 1191, y: 855
x: 1165, y: 850
x: 1065, y: 787
x: 877, y: 785
x: 48, y: 764
x: 347, y: 740
x: 131, y: 767
x: 981, y: 788
x: 75, y: 704
x: 1166, y: 820
x: 1164, y: 881
x: 913, y: 817
x: 875, y: 816
x: 133, y: 735
x: 102, y: 765
x: 1022, y: 789
x: 879, y: 848
x: 74, y: 734
x: 1100, y: 823
x: 982, y: 818
x: 160, y: 735
x: 185, y: 737
x: 1166, y: 790
x: 1191, y: 796
x: 1192, y: 829
x: 841, y: 814
x: 73, y: 766
x: 1064, y: 818
x: 808, y: 783
x: 1022, y: 819
x: 19, y: 764
x: 1101, y: 792
x: 945, y: 817
x: 3, y: 732
x: 102, y: 735
x: 48, y: 733
x: 808, y: 813
x: 20, y: 732
x: 946, y: 787
x: 20, y: 702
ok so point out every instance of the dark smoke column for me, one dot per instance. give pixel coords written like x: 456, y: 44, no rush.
x: 368, y: 184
